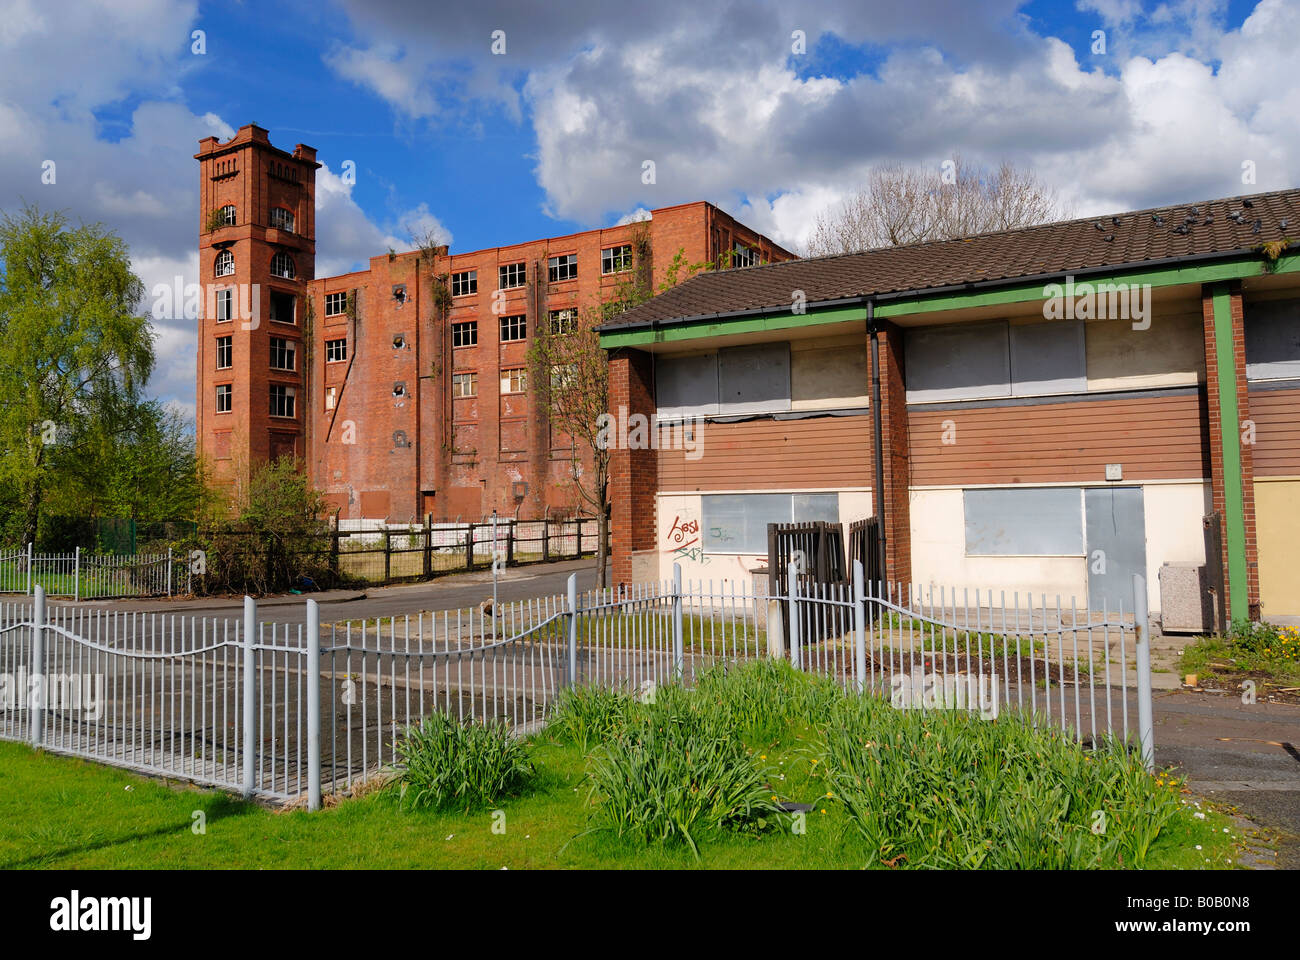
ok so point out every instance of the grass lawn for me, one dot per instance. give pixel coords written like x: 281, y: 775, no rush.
x: 59, y: 812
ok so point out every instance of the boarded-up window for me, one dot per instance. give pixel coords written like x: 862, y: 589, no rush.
x: 687, y: 386
x: 754, y: 379
x: 1048, y: 358
x: 374, y: 504
x: 1272, y: 340
x: 963, y: 362
x: 983, y: 360
x: 1024, y: 521
x: 737, y: 523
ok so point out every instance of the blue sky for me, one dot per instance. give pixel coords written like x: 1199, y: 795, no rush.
x: 551, y: 136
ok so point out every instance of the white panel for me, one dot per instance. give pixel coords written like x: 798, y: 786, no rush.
x: 1024, y: 521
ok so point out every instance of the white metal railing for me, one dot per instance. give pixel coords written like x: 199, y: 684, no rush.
x: 288, y: 710
x: 90, y: 576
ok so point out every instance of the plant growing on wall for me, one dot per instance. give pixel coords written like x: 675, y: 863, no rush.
x: 215, y: 221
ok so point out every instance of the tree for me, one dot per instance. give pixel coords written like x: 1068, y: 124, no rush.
x: 74, y: 353
x: 571, y: 373
x: 901, y: 204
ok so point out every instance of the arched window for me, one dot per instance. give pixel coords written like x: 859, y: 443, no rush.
x: 227, y: 215
x: 225, y: 264
x: 282, y: 219
x: 282, y: 266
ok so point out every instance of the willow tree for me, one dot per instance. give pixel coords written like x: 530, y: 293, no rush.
x: 74, y: 352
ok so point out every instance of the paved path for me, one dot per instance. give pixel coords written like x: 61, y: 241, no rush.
x: 451, y: 592
x: 1247, y: 756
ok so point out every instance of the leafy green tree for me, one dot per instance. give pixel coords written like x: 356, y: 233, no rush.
x: 571, y: 372
x: 74, y: 353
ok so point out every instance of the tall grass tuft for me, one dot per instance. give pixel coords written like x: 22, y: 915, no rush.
x: 449, y: 765
x: 950, y: 790
x: 587, y: 716
x: 678, y: 772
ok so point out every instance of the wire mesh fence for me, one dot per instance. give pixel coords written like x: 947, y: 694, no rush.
x: 285, y: 711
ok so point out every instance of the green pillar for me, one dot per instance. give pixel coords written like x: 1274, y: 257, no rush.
x: 1234, y: 504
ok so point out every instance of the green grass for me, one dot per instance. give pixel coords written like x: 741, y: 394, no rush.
x: 762, y: 724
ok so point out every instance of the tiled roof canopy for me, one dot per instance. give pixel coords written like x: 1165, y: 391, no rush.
x: 1211, y: 228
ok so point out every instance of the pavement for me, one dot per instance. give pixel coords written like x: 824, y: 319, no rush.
x: 1246, y: 756
x: 450, y: 592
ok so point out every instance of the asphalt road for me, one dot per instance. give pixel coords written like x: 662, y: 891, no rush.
x: 451, y: 592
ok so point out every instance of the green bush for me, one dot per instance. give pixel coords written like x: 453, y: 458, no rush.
x: 950, y: 790
x: 450, y: 765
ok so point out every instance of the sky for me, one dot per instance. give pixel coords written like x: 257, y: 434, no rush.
x: 772, y: 110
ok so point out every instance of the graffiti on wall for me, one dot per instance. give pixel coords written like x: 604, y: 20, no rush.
x: 683, y: 540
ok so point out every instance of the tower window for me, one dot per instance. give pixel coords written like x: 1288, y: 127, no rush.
x: 282, y: 398
x: 282, y: 219
x: 225, y: 304
x: 226, y: 215
x: 283, y: 354
x: 282, y: 266
x: 282, y: 305
x: 223, y: 397
x: 224, y: 266
x: 225, y: 353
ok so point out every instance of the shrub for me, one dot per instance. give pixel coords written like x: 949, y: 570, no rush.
x: 1266, y: 640
x: 676, y: 773
x: 950, y: 790
x: 462, y: 766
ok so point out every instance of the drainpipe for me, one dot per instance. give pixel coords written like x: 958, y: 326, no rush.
x: 877, y: 452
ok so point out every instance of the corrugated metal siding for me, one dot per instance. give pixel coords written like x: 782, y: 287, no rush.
x: 822, y: 453
x: 1154, y: 438
x: 1277, y: 432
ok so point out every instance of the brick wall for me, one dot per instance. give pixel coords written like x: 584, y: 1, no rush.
x: 894, y: 506
x: 633, y: 473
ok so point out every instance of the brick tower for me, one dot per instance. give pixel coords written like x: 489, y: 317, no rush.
x: 257, y: 251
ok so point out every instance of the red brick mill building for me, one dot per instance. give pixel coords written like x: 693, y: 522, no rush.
x: 402, y: 402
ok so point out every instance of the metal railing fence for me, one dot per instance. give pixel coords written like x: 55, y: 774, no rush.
x: 284, y: 711
x: 90, y: 576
